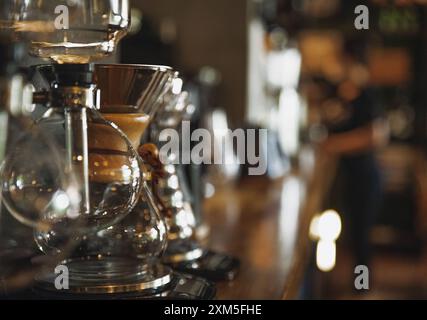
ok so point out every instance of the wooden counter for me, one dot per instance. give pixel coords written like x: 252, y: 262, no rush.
x: 265, y: 224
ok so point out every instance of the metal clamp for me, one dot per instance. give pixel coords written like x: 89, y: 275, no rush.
x: 76, y: 97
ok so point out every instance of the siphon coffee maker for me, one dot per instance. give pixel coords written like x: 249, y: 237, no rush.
x: 117, y: 248
x: 130, y: 96
x: 183, y: 252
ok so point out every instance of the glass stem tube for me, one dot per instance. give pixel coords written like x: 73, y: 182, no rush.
x: 78, y: 150
x: 4, y: 119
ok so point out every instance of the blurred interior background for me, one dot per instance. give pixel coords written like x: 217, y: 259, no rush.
x: 302, y: 70
x: 284, y: 65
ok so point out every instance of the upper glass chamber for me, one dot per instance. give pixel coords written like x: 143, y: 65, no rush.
x: 69, y: 31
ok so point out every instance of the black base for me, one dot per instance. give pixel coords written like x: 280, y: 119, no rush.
x: 212, y: 266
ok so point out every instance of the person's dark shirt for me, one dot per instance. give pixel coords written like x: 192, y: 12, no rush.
x: 358, y: 113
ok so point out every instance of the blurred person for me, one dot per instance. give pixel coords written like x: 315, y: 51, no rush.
x: 356, y: 129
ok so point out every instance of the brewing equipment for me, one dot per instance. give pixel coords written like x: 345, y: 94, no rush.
x: 183, y: 253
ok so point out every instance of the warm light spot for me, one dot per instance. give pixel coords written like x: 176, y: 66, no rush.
x: 326, y: 228
x: 326, y: 255
x: 329, y: 225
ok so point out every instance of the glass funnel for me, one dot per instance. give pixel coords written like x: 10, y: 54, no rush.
x: 69, y: 31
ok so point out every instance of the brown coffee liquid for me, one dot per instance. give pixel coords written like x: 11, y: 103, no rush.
x: 132, y: 124
x: 108, y: 152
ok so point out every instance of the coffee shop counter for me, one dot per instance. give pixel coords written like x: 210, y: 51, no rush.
x: 266, y: 225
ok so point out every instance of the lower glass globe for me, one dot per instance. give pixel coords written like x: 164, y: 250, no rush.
x: 37, y: 196
x: 43, y: 183
x: 35, y: 188
x: 141, y: 235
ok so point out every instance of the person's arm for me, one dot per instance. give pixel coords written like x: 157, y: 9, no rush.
x: 365, y: 138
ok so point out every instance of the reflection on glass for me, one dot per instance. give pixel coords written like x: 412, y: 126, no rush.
x: 76, y: 31
x: 39, y: 196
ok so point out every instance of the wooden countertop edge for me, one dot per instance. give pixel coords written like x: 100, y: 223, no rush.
x: 321, y: 179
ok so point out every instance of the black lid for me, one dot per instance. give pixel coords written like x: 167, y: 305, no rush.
x: 74, y: 74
